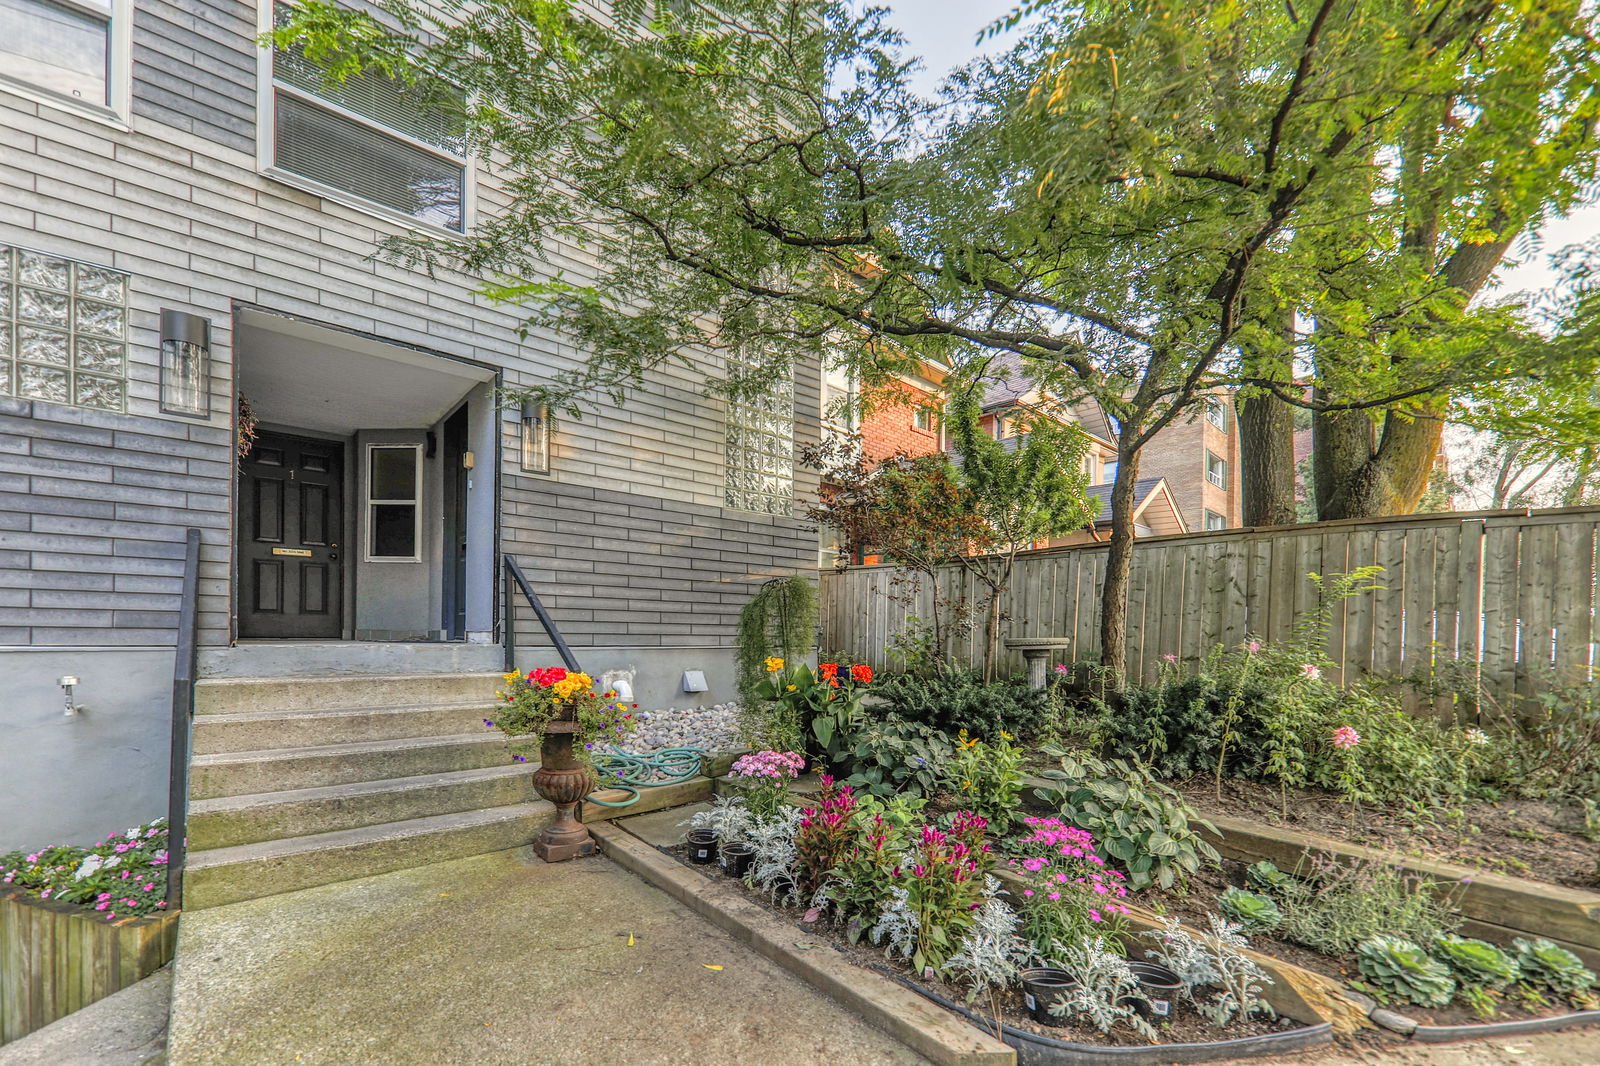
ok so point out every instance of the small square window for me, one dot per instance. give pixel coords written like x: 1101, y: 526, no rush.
x: 1215, y: 521
x: 1217, y: 412
x: 923, y: 419
x: 1216, y: 471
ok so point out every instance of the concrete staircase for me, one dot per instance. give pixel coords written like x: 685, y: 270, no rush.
x: 301, y: 781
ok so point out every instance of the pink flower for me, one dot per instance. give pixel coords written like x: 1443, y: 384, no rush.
x: 1054, y: 895
x: 1169, y: 657
x: 1254, y: 646
x: 1311, y: 672
x: 1345, y: 737
x: 1095, y: 916
x: 102, y: 905
x: 1063, y: 668
x: 1027, y: 892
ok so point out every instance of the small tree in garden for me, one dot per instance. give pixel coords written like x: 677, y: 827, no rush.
x: 1021, y: 494
x: 914, y: 510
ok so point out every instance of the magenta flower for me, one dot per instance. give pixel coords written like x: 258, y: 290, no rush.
x: 1346, y: 737
x: 1254, y: 645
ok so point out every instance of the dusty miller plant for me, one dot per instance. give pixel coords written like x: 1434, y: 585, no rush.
x: 729, y: 819
x: 1183, y: 955
x: 1240, y: 979
x: 991, y: 951
x: 772, y: 865
x: 1103, y: 995
x: 897, y: 923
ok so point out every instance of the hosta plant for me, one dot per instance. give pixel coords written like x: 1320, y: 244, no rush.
x: 1253, y: 912
x: 1476, y: 962
x: 1400, y: 971
x: 1547, y: 965
x: 1140, y: 823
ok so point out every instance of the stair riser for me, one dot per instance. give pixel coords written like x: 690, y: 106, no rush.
x: 213, y: 886
x: 315, y: 770
x: 280, y: 821
x: 339, y: 693
x: 220, y: 733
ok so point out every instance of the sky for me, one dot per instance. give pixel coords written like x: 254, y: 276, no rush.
x: 944, y: 33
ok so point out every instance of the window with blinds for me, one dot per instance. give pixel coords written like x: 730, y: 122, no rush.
x: 372, y: 137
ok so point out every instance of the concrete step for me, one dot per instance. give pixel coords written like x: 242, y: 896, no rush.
x: 254, y: 695
x: 229, y: 821
x: 284, y: 769
x: 228, y: 875
x: 301, y: 658
x: 263, y: 730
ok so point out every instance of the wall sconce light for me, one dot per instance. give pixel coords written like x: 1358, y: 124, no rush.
x: 185, y: 364
x: 535, y: 438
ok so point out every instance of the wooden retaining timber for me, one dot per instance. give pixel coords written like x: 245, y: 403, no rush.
x: 54, y: 959
x: 1498, y: 908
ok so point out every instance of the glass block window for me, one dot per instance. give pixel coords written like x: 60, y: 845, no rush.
x: 63, y: 331
x: 760, y: 472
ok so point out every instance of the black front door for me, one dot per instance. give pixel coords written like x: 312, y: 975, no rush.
x: 455, y: 526
x: 291, y: 513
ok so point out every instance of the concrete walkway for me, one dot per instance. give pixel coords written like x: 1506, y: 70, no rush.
x: 492, y: 960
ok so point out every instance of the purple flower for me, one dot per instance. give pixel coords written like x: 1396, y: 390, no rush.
x: 519, y: 758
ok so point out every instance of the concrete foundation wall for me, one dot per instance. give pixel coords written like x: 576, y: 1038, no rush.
x: 73, y: 779
x: 657, y: 672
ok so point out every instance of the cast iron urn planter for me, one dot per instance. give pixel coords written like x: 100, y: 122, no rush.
x: 563, y: 781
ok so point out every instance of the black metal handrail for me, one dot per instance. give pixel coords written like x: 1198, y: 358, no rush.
x: 532, y: 597
x: 183, y: 678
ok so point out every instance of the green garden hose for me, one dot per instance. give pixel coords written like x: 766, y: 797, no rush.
x: 623, y: 770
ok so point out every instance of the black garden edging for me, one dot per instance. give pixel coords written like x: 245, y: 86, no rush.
x: 1444, y: 1034
x: 1035, y: 1050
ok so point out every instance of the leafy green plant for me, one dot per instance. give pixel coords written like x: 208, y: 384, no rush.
x: 1253, y: 912
x: 1398, y: 970
x: 891, y: 757
x: 780, y: 621
x: 954, y: 700
x: 1215, y: 957
x: 1476, y: 962
x: 1545, y: 964
x: 987, y: 776
x: 1336, y: 906
x: 1266, y: 876
x: 1142, y: 824
x: 1171, y: 726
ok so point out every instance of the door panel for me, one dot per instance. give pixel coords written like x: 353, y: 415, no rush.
x: 291, y: 496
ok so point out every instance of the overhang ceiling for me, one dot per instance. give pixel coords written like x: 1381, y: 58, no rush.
x: 305, y: 376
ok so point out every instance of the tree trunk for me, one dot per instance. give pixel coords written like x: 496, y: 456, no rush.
x: 1119, y: 565
x: 1266, y: 460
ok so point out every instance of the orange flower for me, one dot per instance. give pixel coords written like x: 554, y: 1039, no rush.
x: 834, y: 682
x: 829, y: 671
x: 861, y: 672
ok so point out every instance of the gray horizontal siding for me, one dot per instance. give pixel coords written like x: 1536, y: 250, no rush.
x: 88, y: 560
x: 194, y: 68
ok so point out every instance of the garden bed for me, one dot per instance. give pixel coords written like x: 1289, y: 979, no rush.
x: 1186, y: 1037
x: 1538, y: 840
x: 1210, y: 883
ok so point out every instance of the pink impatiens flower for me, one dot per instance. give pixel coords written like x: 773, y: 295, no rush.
x: 1346, y: 737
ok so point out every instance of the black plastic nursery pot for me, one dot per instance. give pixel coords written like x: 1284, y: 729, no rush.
x: 1158, y: 988
x: 1041, y: 987
x: 736, y: 858
x: 702, y: 846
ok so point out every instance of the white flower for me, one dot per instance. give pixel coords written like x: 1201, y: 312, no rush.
x: 1476, y: 736
x: 1311, y: 672
x: 90, y: 864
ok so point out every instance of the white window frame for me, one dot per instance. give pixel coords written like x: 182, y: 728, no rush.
x: 923, y: 420
x: 1219, y: 480
x: 369, y: 501
x: 1221, y: 523
x: 1217, y: 412
x: 1108, y: 471
x: 267, y: 86
x: 119, y: 73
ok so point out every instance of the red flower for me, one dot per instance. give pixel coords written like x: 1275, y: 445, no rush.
x: 834, y: 683
x: 547, y: 675
x: 861, y: 672
x: 829, y: 671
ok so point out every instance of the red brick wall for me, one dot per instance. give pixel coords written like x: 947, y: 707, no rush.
x: 891, y: 427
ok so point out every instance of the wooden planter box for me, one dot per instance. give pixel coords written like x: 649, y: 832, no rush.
x: 55, y: 960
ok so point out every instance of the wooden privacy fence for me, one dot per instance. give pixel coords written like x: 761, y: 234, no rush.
x: 1510, y: 595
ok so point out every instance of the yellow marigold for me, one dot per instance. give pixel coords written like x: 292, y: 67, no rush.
x: 774, y: 664
x: 1004, y: 735
x: 512, y: 678
x: 790, y: 688
x: 571, y: 685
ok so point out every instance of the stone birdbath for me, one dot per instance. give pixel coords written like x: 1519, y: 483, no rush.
x: 1036, y: 654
